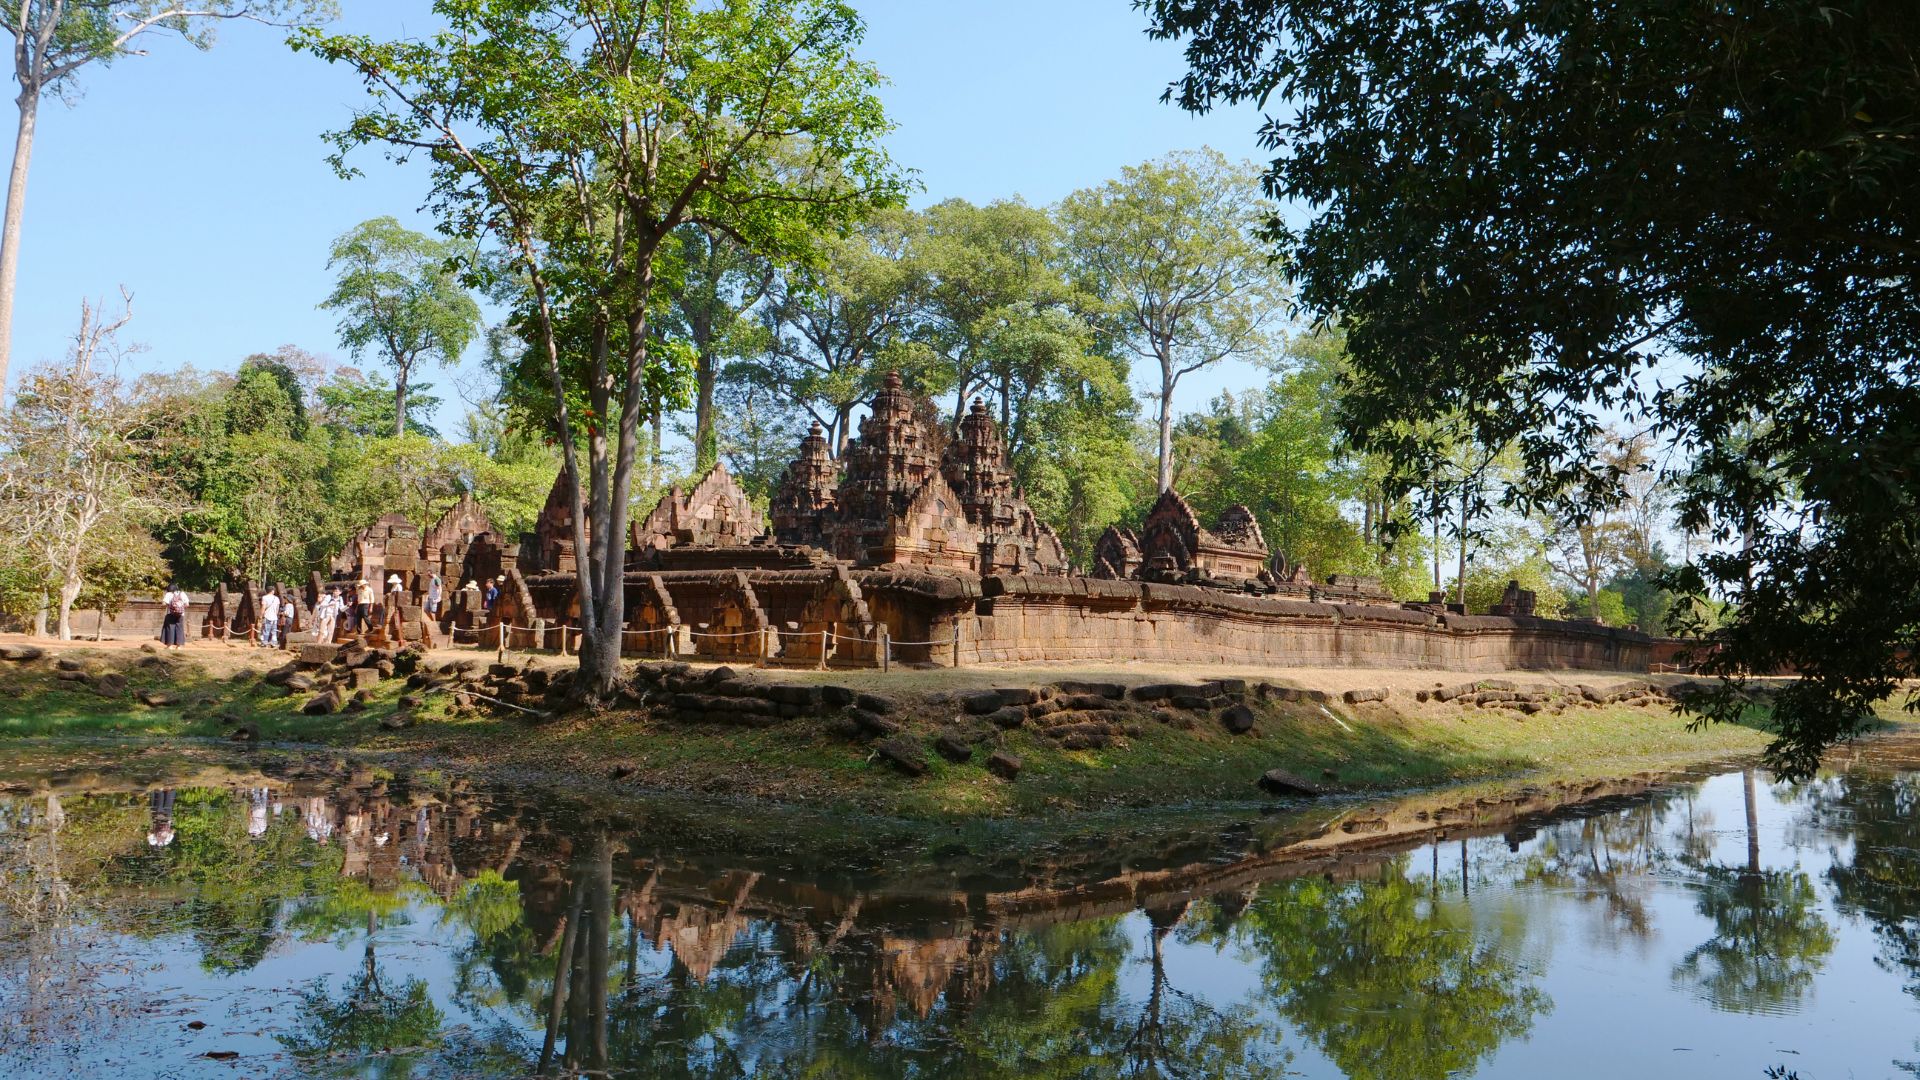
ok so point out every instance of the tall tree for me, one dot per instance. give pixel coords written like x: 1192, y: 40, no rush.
x: 993, y: 306
x: 399, y: 295
x: 1530, y: 212
x: 580, y: 136
x: 70, y: 474
x: 54, y: 39
x: 711, y: 298
x: 834, y: 325
x: 1172, y: 246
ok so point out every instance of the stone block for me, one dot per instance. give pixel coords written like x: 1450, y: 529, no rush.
x: 1368, y: 693
x: 980, y: 702
x: 1099, y: 689
x: 159, y: 699
x: 362, y: 678
x: 1282, y: 782
x: 1004, y: 765
x: 1008, y: 718
x: 318, y: 654
x: 110, y: 685
x: 877, y: 703
x: 1237, y: 719
x: 322, y: 704
x: 21, y: 654
x: 954, y: 747
x: 904, y: 754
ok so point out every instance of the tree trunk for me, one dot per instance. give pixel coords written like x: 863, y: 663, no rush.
x: 69, y: 592
x: 29, y: 103
x: 39, y: 627
x: 1753, y: 824
x: 706, y: 440
x: 1167, y: 379
x: 842, y: 420
x: 399, y: 400
x: 602, y: 668
x: 1460, y: 583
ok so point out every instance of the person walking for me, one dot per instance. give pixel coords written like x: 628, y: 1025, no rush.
x: 269, y: 625
x: 362, y: 606
x: 433, y: 597
x: 492, y: 595
x: 173, y: 624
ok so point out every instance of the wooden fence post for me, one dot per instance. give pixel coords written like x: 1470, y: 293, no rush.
x: 824, y: 634
x: 886, y: 651
x: 956, y: 643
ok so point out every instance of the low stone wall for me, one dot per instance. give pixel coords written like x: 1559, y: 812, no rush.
x: 1031, y: 619
x: 1035, y: 619
x: 139, y: 618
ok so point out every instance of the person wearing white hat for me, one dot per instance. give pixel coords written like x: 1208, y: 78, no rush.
x: 396, y: 599
x: 362, y: 605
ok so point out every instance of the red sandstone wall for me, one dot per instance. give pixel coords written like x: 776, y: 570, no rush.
x: 1078, y: 619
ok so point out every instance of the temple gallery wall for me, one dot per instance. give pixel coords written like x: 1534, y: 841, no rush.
x: 917, y: 542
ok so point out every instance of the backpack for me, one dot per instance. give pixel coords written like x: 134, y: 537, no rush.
x: 177, y: 603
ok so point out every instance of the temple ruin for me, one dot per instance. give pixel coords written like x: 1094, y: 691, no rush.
x: 917, y: 546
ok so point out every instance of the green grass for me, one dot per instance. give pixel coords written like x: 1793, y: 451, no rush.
x: 1364, y: 748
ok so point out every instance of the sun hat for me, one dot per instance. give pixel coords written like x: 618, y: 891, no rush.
x: 393, y: 579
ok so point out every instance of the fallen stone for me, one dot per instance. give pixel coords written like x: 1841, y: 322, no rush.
x: 841, y: 727
x: 1098, y: 689
x: 1018, y: 695
x: 324, y: 704
x: 1369, y: 693
x: 1449, y: 693
x: 1011, y: 717
x: 1084, y: 702
x: 1004, y: 765
x: 1237, y: 719
x: 980, y: 702
x: 410, y: 701
x: 397, y: 720
x: 1282, y: 782
x: 902, y: 753
x: 719, y: 675
x: 362, y: 678
x: 1190, y: 701
x: 279, y: 676
x: 1159, y: 691
x: 245, y: 733
x: 836, y: 697
x: 68, y: 663
x: 72, y: 676
x: 386, y: 669
x: 1496, y: 684
x: 159, y: 699
x: 318, y: 653
x: 953, y: 747
x: 21, y: 654
x: 297, y: 683
x: 877, y: 703
x: 621, y: 772
x: 872, y: 722
x: 359, y: 702
x: 1092, y: 735
x: 360, y: 654
x: 110, y: 685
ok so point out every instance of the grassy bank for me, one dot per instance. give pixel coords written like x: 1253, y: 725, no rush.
x: 1370, y: 747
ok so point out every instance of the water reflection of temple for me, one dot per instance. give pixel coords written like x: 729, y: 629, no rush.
x: 888, y: 947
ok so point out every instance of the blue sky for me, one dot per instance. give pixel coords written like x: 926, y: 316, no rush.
x: 199, y: 181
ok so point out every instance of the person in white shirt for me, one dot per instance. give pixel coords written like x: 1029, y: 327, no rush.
x: 269, y: 618
x: 326, y: 615
x: 433, y: 597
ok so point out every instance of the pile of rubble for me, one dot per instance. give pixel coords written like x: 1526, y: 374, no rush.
x: 341, y: 678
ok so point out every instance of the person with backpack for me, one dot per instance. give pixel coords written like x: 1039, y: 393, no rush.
x: 287, y: 612
x: 173, y: 624
x: 326, y: 616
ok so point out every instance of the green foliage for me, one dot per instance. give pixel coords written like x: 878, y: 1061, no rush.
x: 1437, y: 995
x: 1704, y: 227
x: 400, y: 297
x: 1170, y: 251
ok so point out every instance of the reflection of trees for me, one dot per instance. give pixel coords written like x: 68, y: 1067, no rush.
x: 1388, y: 984
x: 1881, y: 880
x: 1769, y: 939
x: 1605, y: 860
x: 372, y: 1016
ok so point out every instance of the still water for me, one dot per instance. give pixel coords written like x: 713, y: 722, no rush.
x: 304, y: 918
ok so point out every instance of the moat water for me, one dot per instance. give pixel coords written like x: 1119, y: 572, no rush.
x: 310, y: 917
